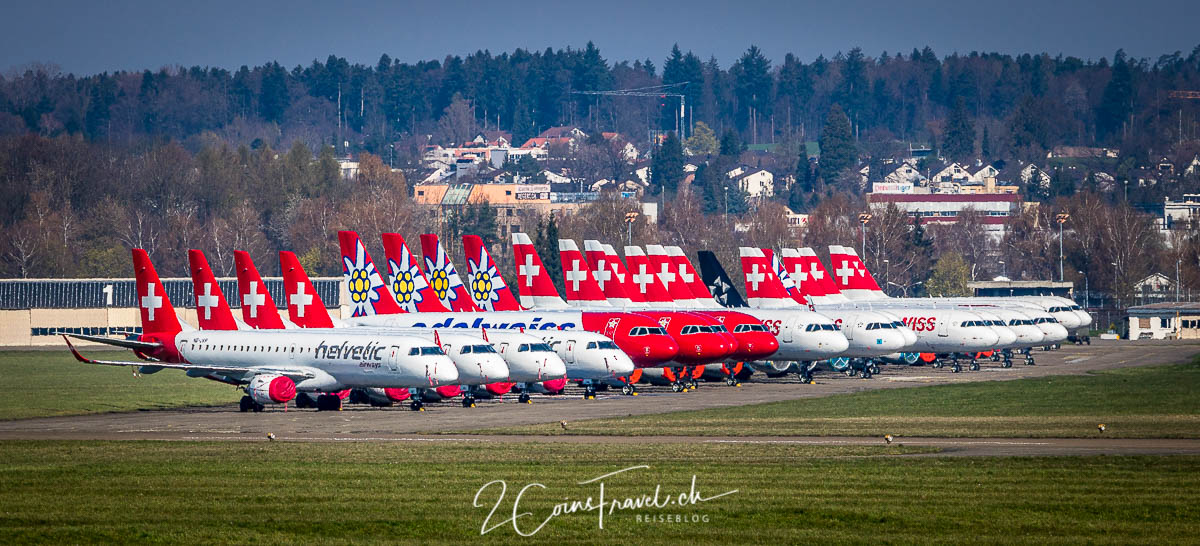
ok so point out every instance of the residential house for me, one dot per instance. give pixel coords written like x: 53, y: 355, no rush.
x: 757, y: 183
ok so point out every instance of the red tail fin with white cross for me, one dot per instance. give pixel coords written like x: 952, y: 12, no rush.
x: 533, y: 281
x: 851, y: 276
x: 258, y: 309
x: 691, y: 279
x: 581, y: 287
x: 158, y: 315
x: 305, y: 308
x: 763, y: 287
x: 212, y: 312
x: 644, y: 278
x: 609, y: 273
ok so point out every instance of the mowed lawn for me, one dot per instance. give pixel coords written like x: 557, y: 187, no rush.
x: 1147, y: 402
x: 47, y: 383
x: 282, y: 492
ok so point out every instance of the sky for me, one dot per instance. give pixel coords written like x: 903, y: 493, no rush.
x: 91, y: 37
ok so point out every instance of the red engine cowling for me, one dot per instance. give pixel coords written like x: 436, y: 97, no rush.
x: 555, y: 386
x: 397, y: 395
x: 499, y: 388
x: 271, y: 389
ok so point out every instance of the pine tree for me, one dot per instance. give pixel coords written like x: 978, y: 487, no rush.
x: 959, y: 142
x: 666, y: 169
x: 731, y: 145
x: 1117, y: 101
x: 838, y: 151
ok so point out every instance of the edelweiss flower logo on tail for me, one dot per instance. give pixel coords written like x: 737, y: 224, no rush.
x: 486, y: 282
x: 363, y: 282
x: 407, y: 282
x: 440, y: 279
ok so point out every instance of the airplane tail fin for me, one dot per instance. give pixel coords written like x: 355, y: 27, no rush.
x: 443, y: 277
x: 485, y: 284
x: 368, y: 294
x: 669, y: 274
x: 609, y: 272
x: 212, y: 311
x: 408, y: 284
x: 258, y: 308
x: 718, y: 282
x: 533, y: 281
x: 305, y: 308
x: 789, y: 285
x: 690, y: 279
x: 763, y: 287
x: 577, y: 276
x: 158, y: 315
x: 644, y: 279
x: 851, y: 275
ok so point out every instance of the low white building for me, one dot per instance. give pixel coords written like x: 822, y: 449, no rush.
x: 1181, y: 214
x: 1171, y: 320
x: 757, y: 183
x: 944, y: 208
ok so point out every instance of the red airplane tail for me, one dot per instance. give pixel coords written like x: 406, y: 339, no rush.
x: 485, y: 284
x: 212, y: 311
x: 158, y: 315
x: 851, y: 275
x: 669, y: 274
x: 408, y: 284
x: 534, y: 284
x: 577, y: 276
x: 763, y: 287
x: 368, y: 294
x: 690, y: 278
x: 443, y: 277
x: 305, y: 307
x: 258, y: 308
x: 609, y: 272
x: 643, y: 279
x: 789, y: 285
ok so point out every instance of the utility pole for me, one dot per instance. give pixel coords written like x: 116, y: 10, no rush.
x: 862, y: 220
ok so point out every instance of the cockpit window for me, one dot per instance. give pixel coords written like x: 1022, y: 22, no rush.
x: 591, y: 345
x: 427, y: 351
x: 483, y: 349
x: 522, y: 348
x: 689, y: 329
x: 751, y: 328
x: 540, y: 348
x: 607, y: 345
x: 720, y: 329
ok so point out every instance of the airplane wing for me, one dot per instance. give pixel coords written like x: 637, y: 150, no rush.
x: 293, y: 373
x: 126, y: 343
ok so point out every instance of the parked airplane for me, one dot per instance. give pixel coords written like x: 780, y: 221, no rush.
x: 271, y: 366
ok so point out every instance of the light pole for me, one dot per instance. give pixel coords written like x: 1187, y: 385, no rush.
x: 887, y: 271
x: 1178, y: 261
x: 1061, y: 219
x: 862, y: 220
x: 1113, y: 290
x: 727, y: 207
x: 630, y: 218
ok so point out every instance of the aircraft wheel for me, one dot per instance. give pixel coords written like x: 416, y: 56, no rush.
x: 1030, y: 362
x: 955, y: 368
x: 691, y: 384
x: 866, y: 374
x: 416, y: 405
x: 523, y: 398
x: 468, y: 402
x: 246, y: 404
x: 937, y: 363
x: 258, y: 408
x: 627, y: 390
x: 974, y: 366
x: 874, y: 368
x: 1007, y: 363
x: 676, y: 387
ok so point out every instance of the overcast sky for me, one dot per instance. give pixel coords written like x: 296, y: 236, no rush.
x: 89, y: 37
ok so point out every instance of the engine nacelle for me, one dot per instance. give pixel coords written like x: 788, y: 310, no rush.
x: 271, y: 389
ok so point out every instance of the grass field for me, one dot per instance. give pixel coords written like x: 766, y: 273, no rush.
x: 1149, y: 402
x: 74, y: 492
x: 46, y: 383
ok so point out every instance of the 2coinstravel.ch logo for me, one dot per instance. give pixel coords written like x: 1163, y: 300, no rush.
x: 526, y: 523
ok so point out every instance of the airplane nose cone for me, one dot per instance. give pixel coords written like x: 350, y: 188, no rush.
x: 443, y: 373
x: 654, y: 351
x: 1006, y: 336
x: 1085, y: 317
x: 836, y: 342
x: 619, y: 364
x: 554, y: 368
x: 755, y: 346
x: 1057, y: 333
x: 894, y: 342
x: 494, y: 370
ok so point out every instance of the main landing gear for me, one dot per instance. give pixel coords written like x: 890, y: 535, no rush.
x: 589, y: 390
x: 1029, y: 358
x: 468, y: 401
x: 248, y: 404
x: 628, y: 390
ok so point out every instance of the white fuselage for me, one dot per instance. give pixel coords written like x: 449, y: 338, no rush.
x: 334, y: 360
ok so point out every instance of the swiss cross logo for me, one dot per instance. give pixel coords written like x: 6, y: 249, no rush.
x: 664, y: 321
x: 612, y: 323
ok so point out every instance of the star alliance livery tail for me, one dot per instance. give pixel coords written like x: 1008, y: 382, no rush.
x: 717, y: 281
